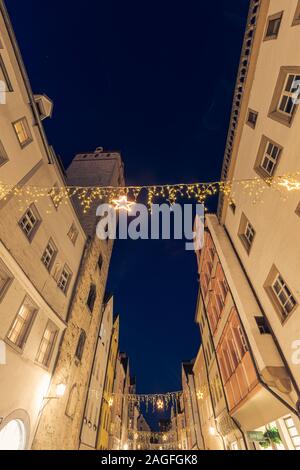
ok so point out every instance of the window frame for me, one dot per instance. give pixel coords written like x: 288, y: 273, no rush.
x: 26, y: 127
x: 68, y: 270
x: 262, y: 154
x: 242, y: 233
x: 49, y: 354
x: 8, y: 282
x: 273, y: 297
x: 73, y: 229
x: 52, y: 260
x: 7, y: 81
x: 276, y: 17
x: 250, y: 123
x: 30, y: 235
x: 274, y: 111
x: 21, y: 341
x: 3, y: 155
x: 296, y: 19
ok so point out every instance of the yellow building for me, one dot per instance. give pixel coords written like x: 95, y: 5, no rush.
x: 107, y: 400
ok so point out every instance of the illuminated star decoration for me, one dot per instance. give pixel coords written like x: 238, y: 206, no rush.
x: 122, y: 204
x: 164, y: 438
x: 200, y: 395
x: 110, y: 402
x: 160, y: 404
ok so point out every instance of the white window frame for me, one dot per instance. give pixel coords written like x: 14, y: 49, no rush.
x: 47, y: 345
x: 269, y: 158
x: 288, y: 95
x: 30, y: 214
x: 7, y: 279
x: 283, y: 291
x: 64, y: 280
x: 49, y: 255
x: 24, y: 325
x: 73, y: 234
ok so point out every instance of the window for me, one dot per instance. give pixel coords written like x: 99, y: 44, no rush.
x: 232, y: 207
x: 22, y: 132
x: 273, y: 26
x: 64, y: 280
x: 286, y: 96
x: 298, y: 210
x: 252, y: 118
x: 100, y: 262
x: 6, y: 279
x: 268, y: 158
x: 49, y: 255
x: 283, y: 295
x: 296, y: 19
x: 20, y: 328
x: 280, y: 294
x: 293, y: 432
x: 55, y: 196
x: 262, y: 325
x: 80, y: 345
x: 30, y: 222
x: 47, y: 345
x: 3, y: 155
x: 4, y: 78
x: 73, y: 234
x: 91, y: 297
x: 246, y: 233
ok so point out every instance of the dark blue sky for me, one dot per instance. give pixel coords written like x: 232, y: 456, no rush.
x: 155, y: 81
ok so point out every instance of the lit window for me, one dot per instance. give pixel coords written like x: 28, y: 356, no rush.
x: 273, y: 26
x: 283, y: 295
x: 22, y: 131
x: 30, y: 222
x: 47, y: 345
x: 20, y: 328
x: 6, y: 279
x: 64, y: 279
x: 73, y: 234
x: 252, y: 118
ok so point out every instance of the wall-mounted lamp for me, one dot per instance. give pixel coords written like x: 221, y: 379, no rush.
x: 60, y: 390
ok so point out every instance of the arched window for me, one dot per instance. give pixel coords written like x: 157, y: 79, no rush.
x: 13, y: 436
x: 80, y: 345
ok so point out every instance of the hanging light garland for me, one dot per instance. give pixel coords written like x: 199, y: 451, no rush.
x: 123, y: 198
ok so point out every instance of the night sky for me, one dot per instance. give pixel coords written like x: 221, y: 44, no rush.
x: 155, y: 81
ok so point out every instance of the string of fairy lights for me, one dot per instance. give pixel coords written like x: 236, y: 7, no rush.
x: 125, y: 197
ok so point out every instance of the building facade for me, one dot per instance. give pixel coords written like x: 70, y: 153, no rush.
x: 41, y: 245
x: 248, y: 285
x: 107, y: 405
x: 62, y: 420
